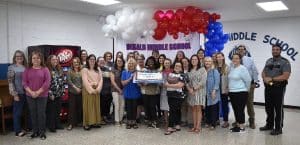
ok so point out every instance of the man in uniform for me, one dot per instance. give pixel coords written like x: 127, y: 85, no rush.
x: 249, y: 64
x: 275, y: 76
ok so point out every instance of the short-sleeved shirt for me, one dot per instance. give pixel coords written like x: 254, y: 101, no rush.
x: 14, y: 76
x: 276, y: 66
x: 106, y: 88
x: 117, y: 73
x: 130, y: 90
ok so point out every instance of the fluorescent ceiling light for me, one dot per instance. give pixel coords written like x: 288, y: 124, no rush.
x: 102, y: 2
x: 272, y: 6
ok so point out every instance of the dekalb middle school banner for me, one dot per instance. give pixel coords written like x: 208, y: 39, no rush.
x: 168, y: 46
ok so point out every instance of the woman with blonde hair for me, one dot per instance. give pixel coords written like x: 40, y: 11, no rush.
x: 131, y: 92
x: 223, y: 69
x: 212, y: 93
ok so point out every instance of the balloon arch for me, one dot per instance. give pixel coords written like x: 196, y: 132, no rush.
x: 130, y: 24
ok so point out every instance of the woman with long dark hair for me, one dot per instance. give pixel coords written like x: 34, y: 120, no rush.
x: 197, y: 91
x: 175, y: 84
x: 164, y: 106
x: 201, y: 55
x: 117, y: 89
x: 105, y: 94
x: 92, y: 85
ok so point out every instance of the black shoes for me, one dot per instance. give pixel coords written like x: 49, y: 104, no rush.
x: 43, y: 136
x: 265, y: 128
x: 237, y: 129
x: 52, y: 130
x: 96, y: 126
x: 59, y: 127
x: 34, y: 135
x: 128, y: 126
x: 276, y: 132
x: 87, y: 128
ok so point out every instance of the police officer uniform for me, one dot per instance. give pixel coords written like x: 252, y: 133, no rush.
x: 274, y: 93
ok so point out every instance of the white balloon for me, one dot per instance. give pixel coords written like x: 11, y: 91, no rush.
x: 125, y: 36
x: 133, y: 18
x: 115, y: 28
x: 145, y: 33
x: 152, y: 24
x: 106, y: 28
x: 130, y: 24
x: 111, y: 19
x: 122, y: 22
x: 151, y: 32
x: 118, y: 14
x: 127, y: 11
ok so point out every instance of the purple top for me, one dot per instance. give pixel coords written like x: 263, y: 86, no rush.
x: 36, y: 79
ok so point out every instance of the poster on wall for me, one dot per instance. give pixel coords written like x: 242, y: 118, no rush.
x: 189, y: 44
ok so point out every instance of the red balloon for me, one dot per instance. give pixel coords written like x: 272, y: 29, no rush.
x: 175, y: 36
x: 175, y: 23
x: 206, y: 16
x: 179, y: 14
x: 200, y: 30
x: 190, y: 10
x: 218, y: 16
x: 199, y: 11
x: 193, y: 28
x: 186, y: 20
x: 170, y: 14
x: 158, y: 15
x: 181, y: 29
x: 164, y: 25
x: 186, y: 32
x: 159, y: 34
x: 197, y: 19
x: 213, y: 17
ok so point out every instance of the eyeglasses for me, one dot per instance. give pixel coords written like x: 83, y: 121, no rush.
x: 19, y: 56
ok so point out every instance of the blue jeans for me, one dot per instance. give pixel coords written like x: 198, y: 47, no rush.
x: 18, y: 107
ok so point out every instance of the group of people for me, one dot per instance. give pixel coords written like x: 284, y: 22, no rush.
x: 102, y: 91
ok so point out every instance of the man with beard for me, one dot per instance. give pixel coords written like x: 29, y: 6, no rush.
x: 275, y: 76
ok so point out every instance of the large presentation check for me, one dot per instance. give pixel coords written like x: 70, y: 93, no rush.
x: 148, y: 77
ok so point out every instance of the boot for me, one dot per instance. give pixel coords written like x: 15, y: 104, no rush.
x: 252, y: 123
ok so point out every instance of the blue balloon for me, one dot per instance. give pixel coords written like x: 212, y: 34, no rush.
x: 209, y: 35
x: 208, y: 45
x: 215, y: 38
x: 210, y: 25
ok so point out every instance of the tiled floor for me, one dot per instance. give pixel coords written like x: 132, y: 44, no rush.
x: 112, y: 135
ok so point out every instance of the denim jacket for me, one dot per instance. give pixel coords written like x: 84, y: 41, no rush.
x: 212, y: 83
